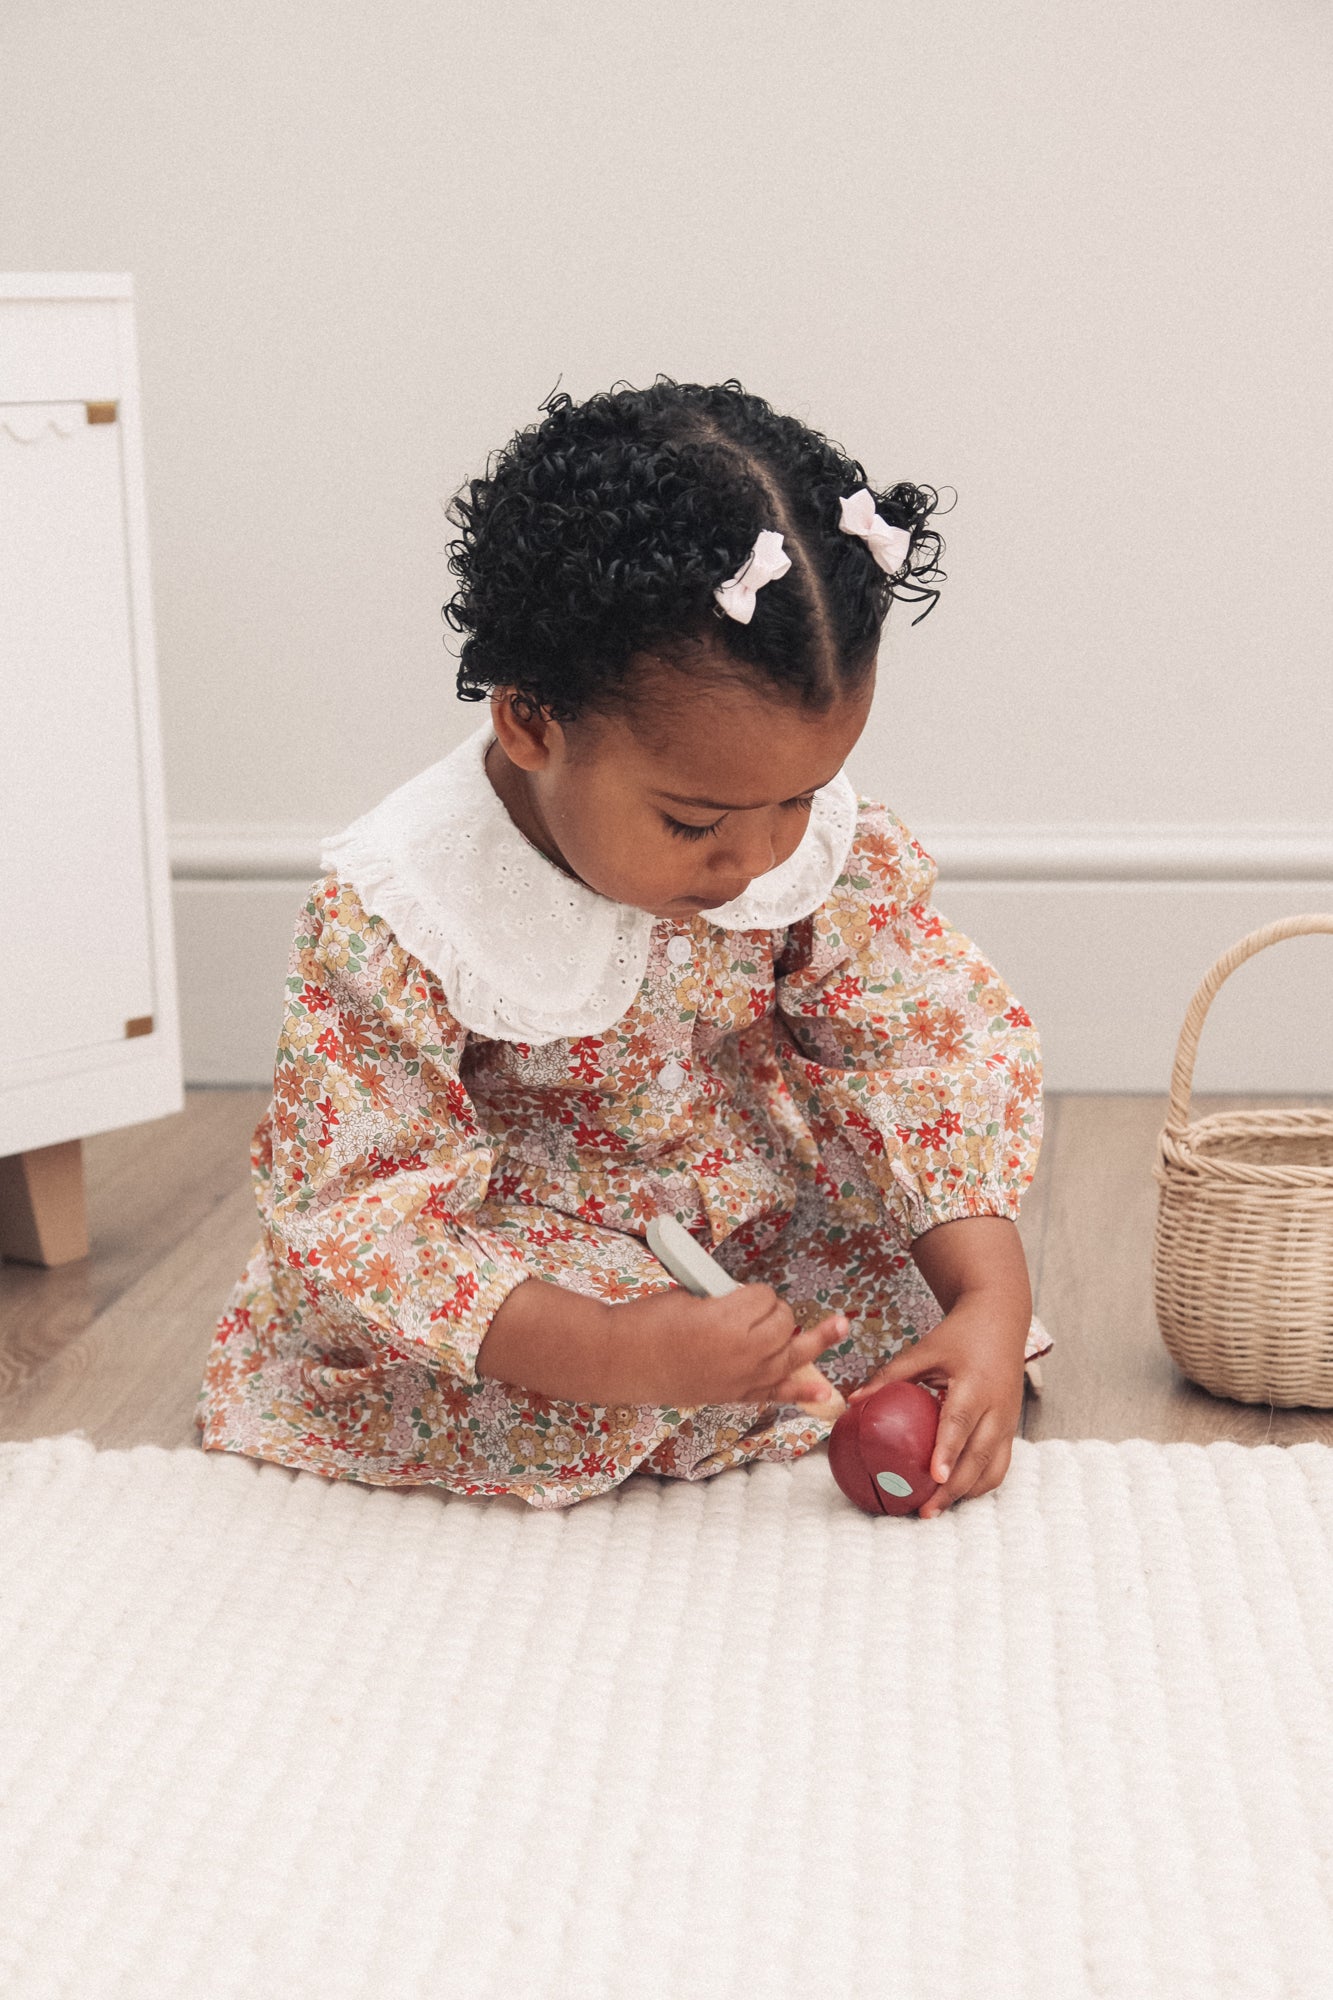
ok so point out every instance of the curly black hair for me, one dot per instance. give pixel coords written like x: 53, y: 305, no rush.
x: 601, y: 532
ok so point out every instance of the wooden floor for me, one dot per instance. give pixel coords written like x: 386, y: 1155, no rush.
x: 114, y: 1346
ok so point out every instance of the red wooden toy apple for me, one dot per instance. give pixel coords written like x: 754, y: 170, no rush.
x: 879, y: 1449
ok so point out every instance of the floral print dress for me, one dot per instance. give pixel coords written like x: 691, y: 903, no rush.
x: 806, y: 1096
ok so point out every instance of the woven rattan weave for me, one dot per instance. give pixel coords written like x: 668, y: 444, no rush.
x: 1243, y: 1256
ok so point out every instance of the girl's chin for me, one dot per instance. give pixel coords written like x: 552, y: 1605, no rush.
x: 661, y: 907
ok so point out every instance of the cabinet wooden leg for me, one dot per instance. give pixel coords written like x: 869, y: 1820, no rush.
x: 43, y: 1215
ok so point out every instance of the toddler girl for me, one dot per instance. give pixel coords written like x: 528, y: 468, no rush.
x: 637, y: 947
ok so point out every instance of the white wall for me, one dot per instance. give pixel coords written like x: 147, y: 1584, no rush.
x: 1071, y: 261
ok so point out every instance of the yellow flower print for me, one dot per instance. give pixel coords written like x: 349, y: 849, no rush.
x: 527, y: 1446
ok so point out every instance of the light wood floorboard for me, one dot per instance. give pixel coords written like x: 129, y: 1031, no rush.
x: 114, y: 1346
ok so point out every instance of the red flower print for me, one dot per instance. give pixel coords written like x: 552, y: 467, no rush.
x: 597, y: 1135
x: 435, y: 1207
x: 314, y: 999
x: 460, y: 1107
x: 926, y: 920
x: 1018, y: 1017
x: 237, y: 1321
x: 458, y: 1301
x: 554, y: 1232
x: 870, y: 1133
x: 711, y: 1163
x: 845, y: 994
x: 880, y: 915
x: 946, y: 1126
x: 382, y: 1165
x: 584, y: 1058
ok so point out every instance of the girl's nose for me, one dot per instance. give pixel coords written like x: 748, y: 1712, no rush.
x: 753, y: 851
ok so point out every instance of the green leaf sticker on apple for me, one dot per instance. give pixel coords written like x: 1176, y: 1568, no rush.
x: 893, y: 1482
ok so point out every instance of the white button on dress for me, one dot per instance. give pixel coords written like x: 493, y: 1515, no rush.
x: 671, y: 1075
x: 680, y: 951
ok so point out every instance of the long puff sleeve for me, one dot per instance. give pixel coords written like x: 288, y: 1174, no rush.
x: 372, y: 1164
x: 899, y: 1039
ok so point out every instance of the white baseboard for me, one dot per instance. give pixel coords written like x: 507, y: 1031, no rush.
x: 1049, y: 852
x: 1103, y: 932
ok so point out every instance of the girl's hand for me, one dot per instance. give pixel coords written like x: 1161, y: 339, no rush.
x: 668, y: 1348
x: 675, y: 1350
x: 975, y: 1355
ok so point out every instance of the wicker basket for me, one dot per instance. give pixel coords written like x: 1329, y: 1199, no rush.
x: 1243, y: 1257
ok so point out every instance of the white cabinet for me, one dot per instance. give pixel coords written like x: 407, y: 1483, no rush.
x: 89, y: 1037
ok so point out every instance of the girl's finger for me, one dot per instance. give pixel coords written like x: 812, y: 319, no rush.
x: 869, y: 1386
x: 807, y: 1347
x: 995, y: 1471
x: 812, y: 1391
x: 959, y: 1417
x: 975, y: 1460
x: 800, y: 1353
x: 804, y: 1347
x: 773, y: 1372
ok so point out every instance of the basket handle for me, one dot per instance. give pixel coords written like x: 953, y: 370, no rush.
x: 1182, y: 1074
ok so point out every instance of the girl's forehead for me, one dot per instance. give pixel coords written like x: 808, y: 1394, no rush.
x: 727, y: 748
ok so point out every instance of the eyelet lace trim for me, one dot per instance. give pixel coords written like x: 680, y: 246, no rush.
x: 524, y: 952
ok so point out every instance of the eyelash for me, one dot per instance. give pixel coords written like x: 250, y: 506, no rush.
x: 684, y: 831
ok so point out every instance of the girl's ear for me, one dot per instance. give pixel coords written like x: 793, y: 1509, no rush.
x: 527, y: 735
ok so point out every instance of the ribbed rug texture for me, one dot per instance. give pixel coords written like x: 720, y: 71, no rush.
x: 266, y: 1735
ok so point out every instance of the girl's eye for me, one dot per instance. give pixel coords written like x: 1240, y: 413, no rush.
x: 687, y: 832
x: 683, y: 831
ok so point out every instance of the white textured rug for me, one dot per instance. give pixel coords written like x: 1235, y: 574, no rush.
x: 262, y: 1735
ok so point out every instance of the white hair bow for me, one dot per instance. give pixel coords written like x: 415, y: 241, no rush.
x: 889, y: 546
x: 764, y: 564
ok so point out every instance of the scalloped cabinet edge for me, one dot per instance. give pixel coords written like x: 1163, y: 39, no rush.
x: 89, y: 1030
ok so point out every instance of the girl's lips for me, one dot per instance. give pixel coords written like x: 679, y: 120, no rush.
x: 712, y: 901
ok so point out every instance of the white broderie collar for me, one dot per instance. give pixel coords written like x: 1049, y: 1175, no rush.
x: 523, y: 951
